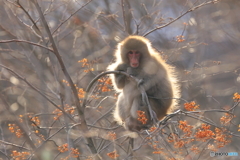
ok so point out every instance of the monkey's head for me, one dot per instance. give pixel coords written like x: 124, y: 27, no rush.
x: 133, y: 50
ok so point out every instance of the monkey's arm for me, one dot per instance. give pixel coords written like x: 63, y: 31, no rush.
x: 144, y: 79
x: 120, y: 78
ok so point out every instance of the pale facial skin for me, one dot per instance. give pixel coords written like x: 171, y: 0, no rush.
x: 134, y: 57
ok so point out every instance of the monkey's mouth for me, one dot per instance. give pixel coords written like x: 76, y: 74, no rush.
x: 134, y: 65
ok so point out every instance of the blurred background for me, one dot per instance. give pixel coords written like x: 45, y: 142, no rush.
x: 200, y: 38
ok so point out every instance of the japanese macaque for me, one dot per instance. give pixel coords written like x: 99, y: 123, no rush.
x: 135, y: 56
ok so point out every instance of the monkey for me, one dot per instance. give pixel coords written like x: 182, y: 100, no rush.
x: 136, y: 56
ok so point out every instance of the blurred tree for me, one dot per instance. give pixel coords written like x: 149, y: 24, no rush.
x: 39, y: 103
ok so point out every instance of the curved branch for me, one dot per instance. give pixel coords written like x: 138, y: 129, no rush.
x: 141, y: 88
x: 99, y: 76
x: 35, y: 44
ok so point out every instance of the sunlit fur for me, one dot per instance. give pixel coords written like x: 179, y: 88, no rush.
x: 159, y: 81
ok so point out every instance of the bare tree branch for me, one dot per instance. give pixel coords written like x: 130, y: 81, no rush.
x: 124, y: 16
x: 24, y: 41
x: 37, y: 90
x: 69, y: 79
x: 190, y: 10
x: 71, y: 16
x: 15, y: 145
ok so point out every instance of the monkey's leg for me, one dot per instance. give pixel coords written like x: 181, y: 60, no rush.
x: 136, y: 105
x: 159, y: 108
x: 122, y: 109
x: 136, y: 122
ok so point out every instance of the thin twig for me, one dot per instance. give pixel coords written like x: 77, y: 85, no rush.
x: 35, y: 27
x: 24, y: 133
x: 115, y: 23
x: 37, y: 90
x: 20, y: 40
x: 15, y: 145
x: 124, y: 16
x: 71, y: 16
x: 190, y: 10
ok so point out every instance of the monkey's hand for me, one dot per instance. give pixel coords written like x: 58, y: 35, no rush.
x: 132, y: 71
x: 122, y: 67
x: 140, y: 82
x: 120, y: 78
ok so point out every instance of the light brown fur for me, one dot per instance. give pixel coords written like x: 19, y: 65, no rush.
x: 159, y: 82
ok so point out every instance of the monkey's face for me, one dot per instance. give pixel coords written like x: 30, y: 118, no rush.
x: 134, y: 58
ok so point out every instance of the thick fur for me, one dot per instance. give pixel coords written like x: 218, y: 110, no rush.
x: 157, y: 77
